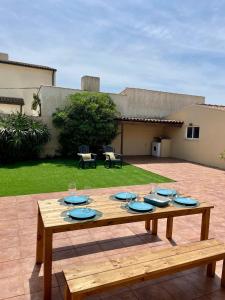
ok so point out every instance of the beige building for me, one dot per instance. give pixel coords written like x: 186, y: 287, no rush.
x: 152, y: 122
x: 18, y: 82
x: 183, y: 126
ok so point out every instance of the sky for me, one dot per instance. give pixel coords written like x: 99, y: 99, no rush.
x: 176, y: 46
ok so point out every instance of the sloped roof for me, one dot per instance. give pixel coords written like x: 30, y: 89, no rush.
x: 151, y: 120
x: 214, y: 106
x: 11, y: 100
x: 17, y: 63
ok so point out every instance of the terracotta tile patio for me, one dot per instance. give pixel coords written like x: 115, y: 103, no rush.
x: 21, y: 279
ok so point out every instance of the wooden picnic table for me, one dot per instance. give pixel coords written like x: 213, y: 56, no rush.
x: 52, y: 218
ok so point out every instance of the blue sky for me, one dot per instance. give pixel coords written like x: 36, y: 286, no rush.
x: 163, y: 45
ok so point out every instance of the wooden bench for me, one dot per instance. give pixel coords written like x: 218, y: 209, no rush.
x: 87, y: 279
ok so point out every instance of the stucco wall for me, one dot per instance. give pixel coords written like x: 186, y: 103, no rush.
x: 8, y: 108
x: 137, y: 138
x: 26, y: 94
x: 211, y: 142
x: 156, y: 104
x: 19, y: 81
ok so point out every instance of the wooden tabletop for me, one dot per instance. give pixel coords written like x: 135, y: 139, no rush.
x: 53, y: 213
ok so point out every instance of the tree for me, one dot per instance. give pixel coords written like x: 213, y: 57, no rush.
x: 88, y: 119
x: 21, y: 137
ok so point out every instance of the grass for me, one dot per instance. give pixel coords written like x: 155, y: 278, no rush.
x: 54, y: 175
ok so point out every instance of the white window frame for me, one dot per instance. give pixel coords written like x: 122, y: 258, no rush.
x: 192, y: 138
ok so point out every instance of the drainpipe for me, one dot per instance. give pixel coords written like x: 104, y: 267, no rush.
x: 121, y: 138
x: 53, y: 78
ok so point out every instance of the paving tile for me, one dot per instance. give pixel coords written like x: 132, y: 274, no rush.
x: 21, y: 279
x: 11, y: 286
x: 34, y: 283
x: 9, y: 242
x: 11, y: 253
x: 10, y: 268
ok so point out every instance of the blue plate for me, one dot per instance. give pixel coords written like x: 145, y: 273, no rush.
x: 76, y: 199
x: 166, y: 192
x: 140, y: 206
x: 82, y: 213
x: 186, y: 201
x: 123, y: 196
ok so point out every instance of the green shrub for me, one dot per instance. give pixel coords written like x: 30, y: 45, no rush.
x: 88, y: 119
x: 21, y: 137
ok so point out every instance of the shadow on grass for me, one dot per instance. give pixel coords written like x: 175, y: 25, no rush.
x: 57, y: 162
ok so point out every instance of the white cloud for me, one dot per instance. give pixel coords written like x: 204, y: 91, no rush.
x: 166, y: 45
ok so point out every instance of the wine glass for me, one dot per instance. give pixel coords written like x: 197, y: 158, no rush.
x: 72, y: 188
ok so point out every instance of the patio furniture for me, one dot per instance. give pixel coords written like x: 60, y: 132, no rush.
x: 86, y: 157
x: 112, y: 158
x: 144, y: 265
x: 51, y: 219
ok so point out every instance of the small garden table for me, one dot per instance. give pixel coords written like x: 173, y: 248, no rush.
x: 51, y: 219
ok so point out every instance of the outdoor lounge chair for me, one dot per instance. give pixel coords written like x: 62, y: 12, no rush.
x: 112, y: 158
x: 86, y: 157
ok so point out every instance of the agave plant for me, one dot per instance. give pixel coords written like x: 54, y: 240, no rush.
x: 21, y: 137
x: 36, y: 104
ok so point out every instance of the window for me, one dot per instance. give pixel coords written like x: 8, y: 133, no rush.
x: 192, y: 132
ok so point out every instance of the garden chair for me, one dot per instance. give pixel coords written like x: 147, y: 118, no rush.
x: 112, y: 158
x: 86, y: 157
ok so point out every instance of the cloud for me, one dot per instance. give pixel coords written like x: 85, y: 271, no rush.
x: 165, y: 45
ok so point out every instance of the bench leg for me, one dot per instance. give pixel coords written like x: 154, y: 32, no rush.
x: 223, y: 275
x: 154, y: 227
x: 148, y: 225
x: 77, y: 297
x: 67, y: 293
x: 169, y: 228
x: 211, y: 269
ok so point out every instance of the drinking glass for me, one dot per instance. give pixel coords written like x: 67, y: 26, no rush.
x: 128, y: 198
x: 138, y: 198
x: 72, y: 188
x: 154, y: 188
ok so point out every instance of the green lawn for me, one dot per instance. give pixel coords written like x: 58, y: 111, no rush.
x: 54, y: 175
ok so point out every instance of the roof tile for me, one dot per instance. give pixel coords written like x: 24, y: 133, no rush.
x: 151, y: 120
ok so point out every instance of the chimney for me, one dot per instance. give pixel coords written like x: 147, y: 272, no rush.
x: 90, y: 83
x: 4, y: 56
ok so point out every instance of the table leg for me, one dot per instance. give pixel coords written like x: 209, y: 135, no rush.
x: 211, y: 269
x: 47, y: 264
x: 67, y: 295
x: 223, y: 275
x: 39, y: 245
x: 154, y: 226
x: 148, y: 225
x: 205, y: 224
x: 169, y: 228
